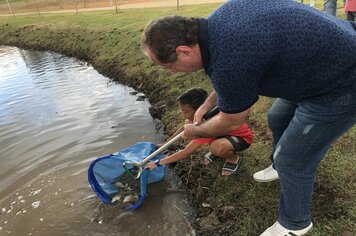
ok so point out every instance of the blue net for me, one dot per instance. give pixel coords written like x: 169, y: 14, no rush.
x: 105, y: 171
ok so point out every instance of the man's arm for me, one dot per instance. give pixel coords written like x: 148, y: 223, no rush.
x: 209, y: 103
x: 219, y: 125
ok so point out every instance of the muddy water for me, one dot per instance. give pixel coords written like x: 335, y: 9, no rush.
x: 57, y: 115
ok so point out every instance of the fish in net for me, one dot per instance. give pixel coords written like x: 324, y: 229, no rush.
x: 129, y: 193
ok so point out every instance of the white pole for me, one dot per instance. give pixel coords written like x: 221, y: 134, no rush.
x: 8, y: 4
x: 116, y: 7
x: 38, y: 9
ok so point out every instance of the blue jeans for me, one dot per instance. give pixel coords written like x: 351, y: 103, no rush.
x: 330, y: 7
x: 302, y: 133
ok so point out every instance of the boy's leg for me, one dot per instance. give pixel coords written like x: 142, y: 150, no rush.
x: 226, y: 147
x: 221, y: 147
x: 315, y: 126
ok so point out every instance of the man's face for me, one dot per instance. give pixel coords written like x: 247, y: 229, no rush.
x: 186, y: 61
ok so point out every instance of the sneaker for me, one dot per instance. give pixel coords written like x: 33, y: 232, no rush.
x: 267, y: 175
x: 278, y: 230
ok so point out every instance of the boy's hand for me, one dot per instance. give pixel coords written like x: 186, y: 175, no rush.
x: 150, y: 165
x: 159, y: 145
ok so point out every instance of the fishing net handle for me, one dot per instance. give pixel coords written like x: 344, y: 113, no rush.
x: 138, y: 167
x: 161, y: 149
x: 132, y: 168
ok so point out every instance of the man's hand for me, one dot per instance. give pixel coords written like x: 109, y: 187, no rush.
x: 189, y: 131
x: 198, y: 116
x: 221, y: 124
x: 209, y: 103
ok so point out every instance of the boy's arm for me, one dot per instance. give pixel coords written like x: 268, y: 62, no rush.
x: 182, y: 154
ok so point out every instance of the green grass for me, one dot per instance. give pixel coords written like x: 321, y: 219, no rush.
x: 111, y: 43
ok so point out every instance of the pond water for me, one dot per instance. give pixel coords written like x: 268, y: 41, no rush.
x: 57, y: 115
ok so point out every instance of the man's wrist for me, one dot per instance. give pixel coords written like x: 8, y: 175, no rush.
x: 198, y: 133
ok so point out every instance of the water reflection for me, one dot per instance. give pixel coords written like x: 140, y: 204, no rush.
x: 57, y: 114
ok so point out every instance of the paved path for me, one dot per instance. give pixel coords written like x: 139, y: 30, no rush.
x: 153, y: 3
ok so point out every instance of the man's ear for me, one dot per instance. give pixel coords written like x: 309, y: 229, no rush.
x: 184, y: 51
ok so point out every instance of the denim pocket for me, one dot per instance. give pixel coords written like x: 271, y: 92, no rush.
x: 328, y: 108
x: 345, y: 98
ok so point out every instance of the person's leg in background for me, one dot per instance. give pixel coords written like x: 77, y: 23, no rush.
x: 279, y: 117
x: 315, y: 126
x: 330, y: 7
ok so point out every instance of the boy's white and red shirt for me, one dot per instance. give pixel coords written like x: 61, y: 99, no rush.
x: 243, y: 131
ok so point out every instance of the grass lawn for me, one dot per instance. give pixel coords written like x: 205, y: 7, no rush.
x: 238, y: 205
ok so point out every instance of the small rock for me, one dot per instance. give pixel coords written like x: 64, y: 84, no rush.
x: 36, y: 204
x: 209, y: 222
x: 141, y: 98
x: 225, y: 213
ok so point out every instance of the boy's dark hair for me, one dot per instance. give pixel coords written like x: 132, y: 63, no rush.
x: 164, y: 34
x: 194, y: 97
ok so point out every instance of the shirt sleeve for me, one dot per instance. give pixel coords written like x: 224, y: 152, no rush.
x: 234, y: 93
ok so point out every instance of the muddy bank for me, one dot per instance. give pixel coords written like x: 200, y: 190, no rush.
x: 225, y: 206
